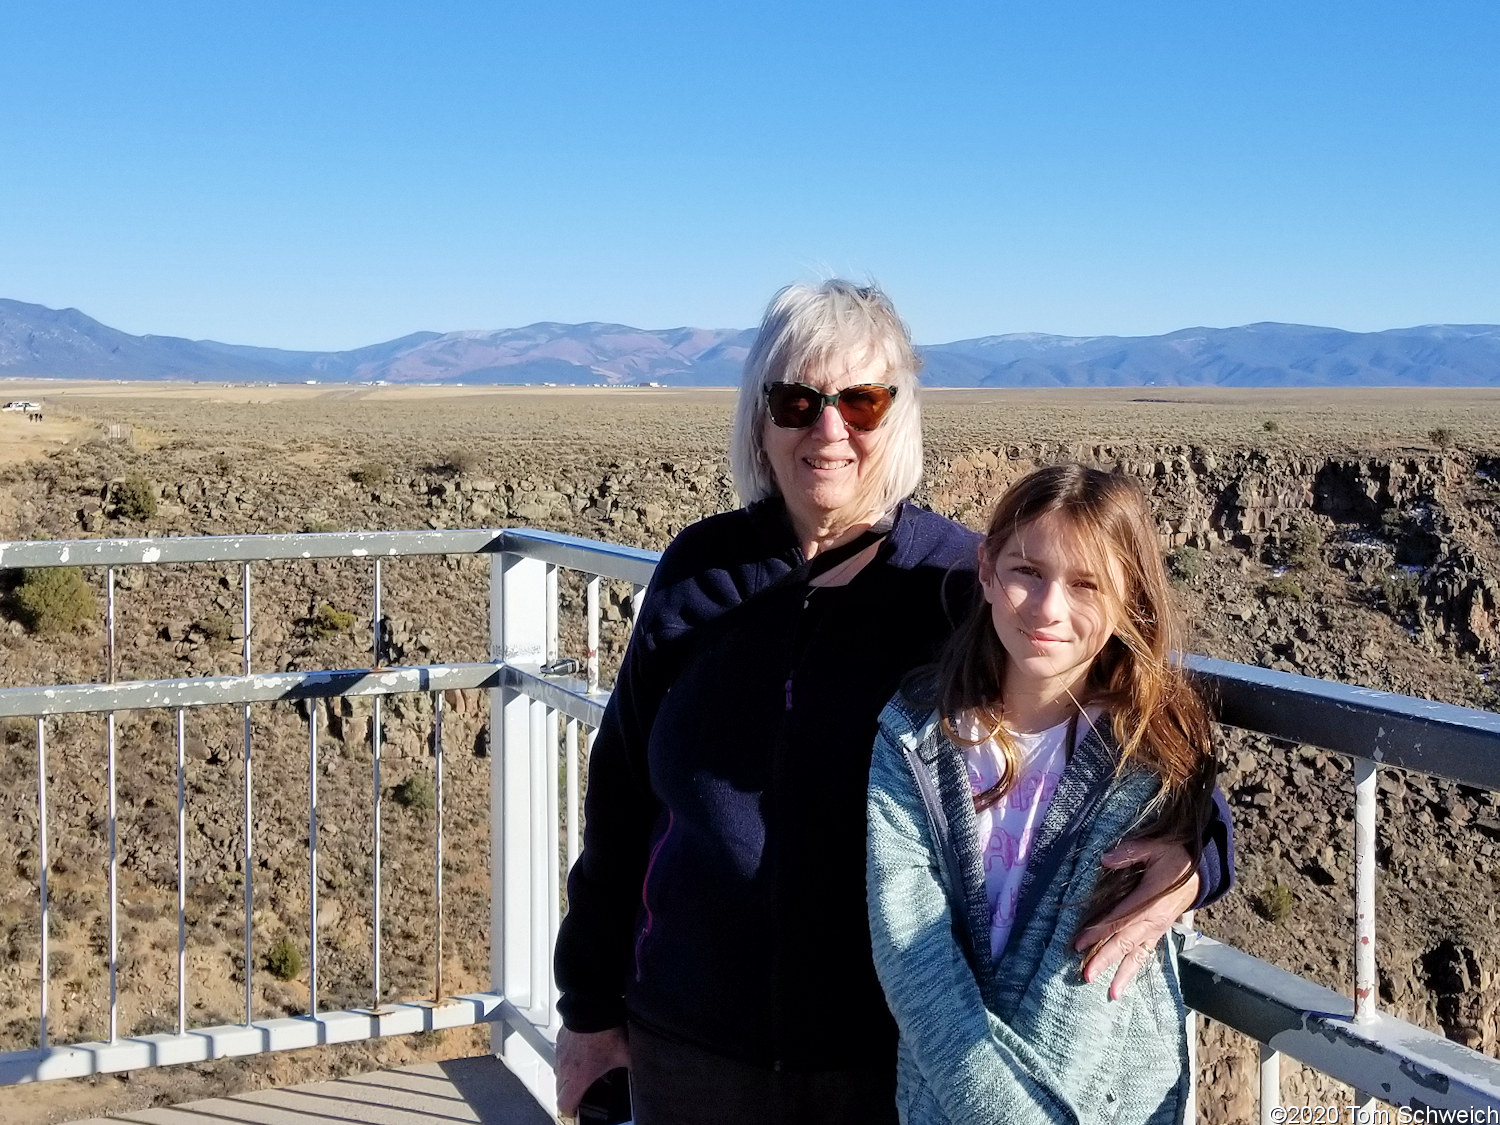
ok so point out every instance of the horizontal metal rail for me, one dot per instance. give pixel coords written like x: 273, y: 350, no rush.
x: 1395, y: 1060
x: 202, y: 1044
x: 566, y: 694
x: 1421, y: 735
x: 246, y: 548
x: 258, y: 687
x: 609, y: 560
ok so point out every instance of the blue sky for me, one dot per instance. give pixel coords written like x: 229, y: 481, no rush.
x: 327, y: 175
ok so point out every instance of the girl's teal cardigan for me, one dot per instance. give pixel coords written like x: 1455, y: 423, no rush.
x: 1024, y: 1041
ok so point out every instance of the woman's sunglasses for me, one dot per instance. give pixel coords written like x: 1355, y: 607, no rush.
x: 796, y: 406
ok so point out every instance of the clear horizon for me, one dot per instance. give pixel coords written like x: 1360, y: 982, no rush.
x: 326, y: 178
x: 729, y: 327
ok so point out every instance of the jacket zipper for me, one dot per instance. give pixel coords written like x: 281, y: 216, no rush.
x: 801, y: 638
x: 798, y: 644
x: 640, y: 938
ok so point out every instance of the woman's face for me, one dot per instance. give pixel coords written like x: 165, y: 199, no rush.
x: 1049, y: 607
x: 828, y: 473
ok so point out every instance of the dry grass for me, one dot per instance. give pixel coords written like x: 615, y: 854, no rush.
x: 696, y: 420
x: 21, y: 440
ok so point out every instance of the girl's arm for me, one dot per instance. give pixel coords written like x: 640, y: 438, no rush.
x: 978, y: 1068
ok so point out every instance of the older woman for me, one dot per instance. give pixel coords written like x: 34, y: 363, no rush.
x: 718, y: 908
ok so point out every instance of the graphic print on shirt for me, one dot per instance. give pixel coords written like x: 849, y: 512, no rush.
x: 1007, y: 828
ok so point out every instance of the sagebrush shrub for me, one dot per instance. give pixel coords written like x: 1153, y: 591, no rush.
x: 284, y: 959
x: 1185, y: 563
x: 328, y: 621
x: 369, y: 473
x: 459, y: 461
x: 217, y: 626
x: 53, y: 600
x: 1304, y: 547
x: 1275, y: 903
x: 1284, y: 586
x: 1402, y: 591
x: 135, y: 498
x: 416, y: 793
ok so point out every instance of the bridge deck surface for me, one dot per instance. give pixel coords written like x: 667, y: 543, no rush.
x: 480, y: 1090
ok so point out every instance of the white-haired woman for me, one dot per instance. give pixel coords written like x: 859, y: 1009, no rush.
x: 717, y: 939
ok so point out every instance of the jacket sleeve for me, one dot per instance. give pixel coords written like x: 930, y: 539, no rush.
x: 593, y: 953
x: 975, y: 1065
x: 1216, y: 863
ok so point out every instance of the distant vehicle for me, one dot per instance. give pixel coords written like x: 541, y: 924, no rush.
x: 28, y: 407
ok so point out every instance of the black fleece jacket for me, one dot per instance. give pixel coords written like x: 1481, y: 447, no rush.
x: 720, y: 895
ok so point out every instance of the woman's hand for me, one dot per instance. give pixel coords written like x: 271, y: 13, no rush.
x: 1125, y: 938
x: 584, y: 1057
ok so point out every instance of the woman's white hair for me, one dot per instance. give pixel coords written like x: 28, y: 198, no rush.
x: 835, y: 326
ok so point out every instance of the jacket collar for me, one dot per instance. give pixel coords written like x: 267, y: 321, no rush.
x: 771, y: 518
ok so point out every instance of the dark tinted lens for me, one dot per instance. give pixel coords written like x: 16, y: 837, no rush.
x: 863, y: 407
x: 793, y: 406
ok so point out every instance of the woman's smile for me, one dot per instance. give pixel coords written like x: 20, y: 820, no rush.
x: 827, y: 472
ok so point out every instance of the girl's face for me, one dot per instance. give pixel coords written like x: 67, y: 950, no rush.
x: 1049, y: 607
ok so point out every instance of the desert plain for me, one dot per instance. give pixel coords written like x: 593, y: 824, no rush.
x: 1346, y: 534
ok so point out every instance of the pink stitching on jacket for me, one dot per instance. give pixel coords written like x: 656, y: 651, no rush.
x: 645, y: 900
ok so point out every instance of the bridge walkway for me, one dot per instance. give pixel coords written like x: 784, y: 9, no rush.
x: 482, y: 1090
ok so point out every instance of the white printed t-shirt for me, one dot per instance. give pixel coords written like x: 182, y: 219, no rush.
x: 1007, y: 828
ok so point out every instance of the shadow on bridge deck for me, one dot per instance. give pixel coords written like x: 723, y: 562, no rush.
x: 481, y: 1090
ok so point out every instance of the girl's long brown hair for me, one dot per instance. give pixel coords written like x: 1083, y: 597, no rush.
x: 1159, y: 720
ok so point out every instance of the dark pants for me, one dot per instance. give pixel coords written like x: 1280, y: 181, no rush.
x: 676, y: 1084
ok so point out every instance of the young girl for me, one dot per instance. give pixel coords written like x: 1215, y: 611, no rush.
x: 1057, y: 724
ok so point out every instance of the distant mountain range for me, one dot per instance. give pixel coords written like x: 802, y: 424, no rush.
x: 38, y: 341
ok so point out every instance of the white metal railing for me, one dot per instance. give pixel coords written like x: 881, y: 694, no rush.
x: 519, y: 679
x: 540, y: 712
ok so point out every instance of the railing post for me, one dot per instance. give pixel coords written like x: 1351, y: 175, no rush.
x: 437, y: 846
x: 181, y: 873
x: 549, y: 782
x: 249, y: 825
x: 1364, y: 890
x: 1270, y: 1084
x: 111, y: 768
x: 312, y: 857
x: 41, y: 867
x: 1365, y: 984
x: 518, y: 830
x: 376, y: 736
x: 591, y: 655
